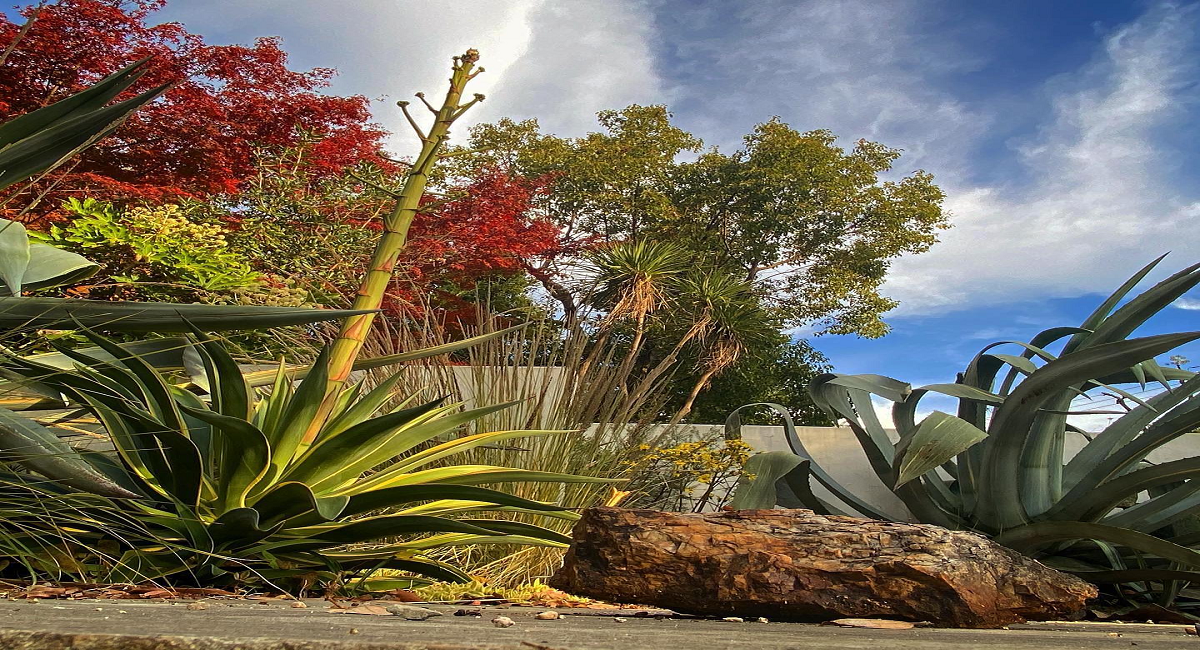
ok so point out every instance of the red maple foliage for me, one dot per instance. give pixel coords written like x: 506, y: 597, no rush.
x: 199, y: 138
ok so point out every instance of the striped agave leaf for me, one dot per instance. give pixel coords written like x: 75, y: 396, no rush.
x: 232, y: 480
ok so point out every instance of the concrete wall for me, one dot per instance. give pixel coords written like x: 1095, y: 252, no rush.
x: 837, y: 450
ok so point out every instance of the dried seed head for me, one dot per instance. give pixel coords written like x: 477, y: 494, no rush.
x: 479, y: 97
x: 471, y: 56
x: 402, y: 103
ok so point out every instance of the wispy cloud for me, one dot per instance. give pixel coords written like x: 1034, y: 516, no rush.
x: 1101, y: 204
x: 1190, y: 304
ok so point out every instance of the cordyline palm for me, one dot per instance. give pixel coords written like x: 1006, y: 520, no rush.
x: 633, y: 279
x: 727, y: 320
x: 354, y: 330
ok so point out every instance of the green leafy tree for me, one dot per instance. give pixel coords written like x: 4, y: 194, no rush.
x: 810, y: 224
x: 809, y: 221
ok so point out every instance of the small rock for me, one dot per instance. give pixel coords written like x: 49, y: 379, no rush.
x: 99, y: 609
x: 502, y: 621
x: 411, y: 612
x: 734, y: 619
x: 353, y: 630
x: 198, y: 605
x: 1115, y: 635
x: 468, y: 612
x: 547, y: 616
x: 618, y: 620
x: 762, y: 619
x: 298, y: 604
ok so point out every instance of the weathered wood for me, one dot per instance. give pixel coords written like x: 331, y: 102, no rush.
x: 797, y: 565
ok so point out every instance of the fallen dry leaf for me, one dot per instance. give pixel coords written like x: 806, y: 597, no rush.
x: 369, y: 610
x: 872, y: 623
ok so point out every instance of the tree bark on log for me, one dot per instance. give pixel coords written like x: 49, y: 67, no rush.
x: 800, y: 566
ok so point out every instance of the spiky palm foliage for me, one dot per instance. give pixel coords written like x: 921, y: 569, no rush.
x: 999, y: 466
x: 727, y: 319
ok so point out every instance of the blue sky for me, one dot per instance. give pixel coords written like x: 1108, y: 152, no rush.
x: 1064, y: 132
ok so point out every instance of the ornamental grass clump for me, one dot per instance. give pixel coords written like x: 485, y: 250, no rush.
x: 999, y: 465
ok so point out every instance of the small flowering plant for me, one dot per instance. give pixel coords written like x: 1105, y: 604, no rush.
x: 692, y: 476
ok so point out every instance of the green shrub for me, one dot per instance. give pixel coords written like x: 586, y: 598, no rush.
x: 158, y: 253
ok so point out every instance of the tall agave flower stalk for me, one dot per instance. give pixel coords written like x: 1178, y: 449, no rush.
x: 354, y: 330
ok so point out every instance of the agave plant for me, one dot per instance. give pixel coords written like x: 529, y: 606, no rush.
x: 999, y: 465
x: 233, y: 486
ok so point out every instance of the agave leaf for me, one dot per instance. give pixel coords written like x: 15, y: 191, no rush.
x: 1135, y: 575
x: 14, y: 255
x: 395, y: 496
x: 37, y: 448
x: 162, y: 354
x: 401, y: 440
x: 362, y: 408
x: 1032, y: 536
x: 473, y: 475
x: 508, y: 527
x: 443, y: 507
x: 1159, y: 511
x: 67, y: 313
x: 1137, y: 311
x: 90, y: 99
x: 53, y: 267
x: 1103, y: 499
x: 885, y: 387
x: 369, y: 443
x: 758, y: 493
x: 231, y: 395
x: 819, y: 473
x: 1122, y: 430
x: 287, y: 500
x: 1012, y: 421
x: 462, y: 444
x: 459, y: 539
x: 242, y: 452
x: 1101, y: 313
x: 372, y: 528
x: 48, y: 147
x: 423, y: 566
x: 1182, y: 419
x: 939, y: 438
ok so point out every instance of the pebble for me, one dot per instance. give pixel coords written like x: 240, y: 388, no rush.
x: 618, y: 620
x: 198, y: 605
x: 411, y: 612
x: 502, y: 621
x: 762, y: 619
x: 298, y: 604
x: 734, y: 619
x: 353, y: 630
x: 547, y: 616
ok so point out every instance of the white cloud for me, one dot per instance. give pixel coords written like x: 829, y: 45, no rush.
x: 558, y: 62
x: 1100, y: 204
x: 1190, y: 304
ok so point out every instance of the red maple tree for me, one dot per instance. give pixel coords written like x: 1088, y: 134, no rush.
x: 199, y: 138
